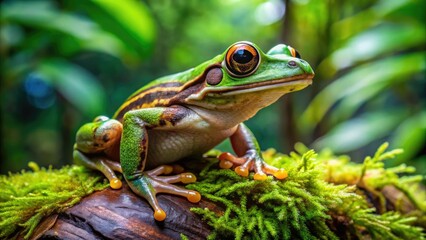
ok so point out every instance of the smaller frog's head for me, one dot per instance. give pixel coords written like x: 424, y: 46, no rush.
x: 244, y: 77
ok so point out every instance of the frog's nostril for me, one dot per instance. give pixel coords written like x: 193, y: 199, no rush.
x: 292, y: 64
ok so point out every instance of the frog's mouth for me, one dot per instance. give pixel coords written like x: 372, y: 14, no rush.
x: 283, y: 85
x: 286, y: 85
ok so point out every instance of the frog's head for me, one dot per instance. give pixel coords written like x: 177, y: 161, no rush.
x: 244, y: 77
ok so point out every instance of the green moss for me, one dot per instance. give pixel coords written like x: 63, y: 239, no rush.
x: 308, y: 204
x: 27, y: 197
x: 324, y: 197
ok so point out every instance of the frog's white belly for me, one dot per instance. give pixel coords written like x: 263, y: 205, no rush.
x: 165, y: 147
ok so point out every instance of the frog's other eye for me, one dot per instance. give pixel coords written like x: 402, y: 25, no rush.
x: 242, y: 59
x: 294, y: 53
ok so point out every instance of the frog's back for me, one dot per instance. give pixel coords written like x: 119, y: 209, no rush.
x: 154, y: 94
x: 159, y: 92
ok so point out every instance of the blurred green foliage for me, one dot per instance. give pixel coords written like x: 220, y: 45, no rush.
x: 65, y: 62
x: 372, y: 79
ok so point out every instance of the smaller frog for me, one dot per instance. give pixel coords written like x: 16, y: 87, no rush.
x: 186, y: 114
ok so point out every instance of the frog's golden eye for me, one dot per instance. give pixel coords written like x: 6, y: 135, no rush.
x: 242, y: 59
x: 294, y: 53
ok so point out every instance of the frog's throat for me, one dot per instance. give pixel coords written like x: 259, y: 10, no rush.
x: 286, y: 85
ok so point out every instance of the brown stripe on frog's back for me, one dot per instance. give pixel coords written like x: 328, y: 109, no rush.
x: 163, y: 95
x: 155, y: 86
x: 157, y: 95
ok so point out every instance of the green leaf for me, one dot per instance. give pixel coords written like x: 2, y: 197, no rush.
x: 378, y: 41
x: 361, y: 84
x: 372, y: 16
x: 75, y: 84
x: 128, y: 20
x: 410, y: 136
x: 358, y: 132
x: 43, y: 16
x: 412, y: 10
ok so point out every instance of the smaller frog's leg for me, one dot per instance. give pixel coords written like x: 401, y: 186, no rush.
x: 134, y: 152
x: 250, y: 157
x: 92, y: 140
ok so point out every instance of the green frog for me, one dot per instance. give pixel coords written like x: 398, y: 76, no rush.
x: 186, y: 114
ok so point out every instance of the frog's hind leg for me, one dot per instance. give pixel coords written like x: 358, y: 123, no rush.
x: 106, y: 166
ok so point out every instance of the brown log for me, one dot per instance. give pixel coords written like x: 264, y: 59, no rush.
x: 120, y: 214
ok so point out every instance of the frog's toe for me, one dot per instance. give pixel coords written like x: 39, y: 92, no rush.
x: 262, y: 170
x: 150, y: 184
x: 260, y: 176
x: 115, y: 183
x: 281, y: 174
x: 243, y: 164
x: 146, y: 187
x: 251, y: 161
x: 163, y: 169
x: 278, y: 173
x: 228, y: 160
x: 163, y: 184
x: 192, y: 196
x: 187, y: 178
x: 183, y: 178
x: 102, y: 164
x: 160, y: 215
x: 107, y: 168
x: 242, y: 171
x: 167, y: 169
x: 225, y: 164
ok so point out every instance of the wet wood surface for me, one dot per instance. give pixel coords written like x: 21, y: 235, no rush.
x: 120, y: 214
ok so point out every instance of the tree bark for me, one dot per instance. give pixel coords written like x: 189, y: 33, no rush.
x: 120, y: 214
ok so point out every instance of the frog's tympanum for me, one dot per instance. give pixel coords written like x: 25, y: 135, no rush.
x: 184, y: 115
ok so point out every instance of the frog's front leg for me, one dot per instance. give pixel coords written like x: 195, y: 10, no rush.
x: 134, y: 152
x: 250, y: 157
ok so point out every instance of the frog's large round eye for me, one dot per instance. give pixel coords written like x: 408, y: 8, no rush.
x: 242, y: 59
x: 294, y: 53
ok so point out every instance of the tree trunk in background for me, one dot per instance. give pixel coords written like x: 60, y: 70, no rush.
x: 288, y: 132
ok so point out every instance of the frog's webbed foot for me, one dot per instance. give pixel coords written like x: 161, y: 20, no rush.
x: 102, y: 164
x: 251, y: 161
x: 150, y: 183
